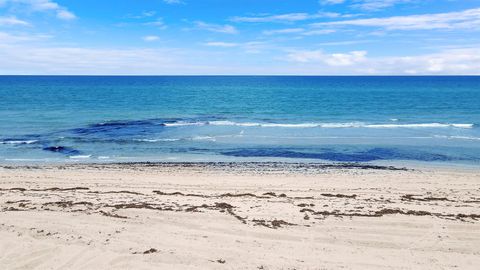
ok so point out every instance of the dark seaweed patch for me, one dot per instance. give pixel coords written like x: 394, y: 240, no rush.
x: 332, y: 155
x: 117, y: 128
x: 62, y: 149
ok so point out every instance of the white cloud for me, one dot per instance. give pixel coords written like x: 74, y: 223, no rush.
x: 144, y: 14
x: 331, y: 2
x: 335, y: 59
x: 26, y: 59
x: 371, y: 5
x: 464, y: 61
x: 150, y: 38
x: 300, y: 31
x: 23, y: 53
x: 343, y: 43
x: 252, y: 47
x: 44, y: 6
x: 288, y: 17
x: 318, y: 32
x: 221, y: 44
x: 455, y: 61
x: 467, y: 19
x: 157, y: 23
x: 65, y: 15
x: 23, y: 58
x: 12, y: 20
x: 226, y: 29
x: 172, y: 2
x: 283, y: 31
x: 8, y: 38
x: 255, y: 47
x: 374, y: 5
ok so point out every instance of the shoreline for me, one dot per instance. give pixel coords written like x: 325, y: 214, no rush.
x: 238, y: 216
x: 242, y: 165
x: 252, y: 166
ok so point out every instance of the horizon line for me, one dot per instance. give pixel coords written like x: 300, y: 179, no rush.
x: 237, y: 75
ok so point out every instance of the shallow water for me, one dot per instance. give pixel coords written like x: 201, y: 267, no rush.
x: 347, y: 119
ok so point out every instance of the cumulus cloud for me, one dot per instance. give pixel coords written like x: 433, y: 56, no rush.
x: 335, y: 59
x: 466, y: 19
x: 454, y: 61
x: 226, y: 29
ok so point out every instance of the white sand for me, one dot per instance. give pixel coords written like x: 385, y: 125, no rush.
x: 219, y: 218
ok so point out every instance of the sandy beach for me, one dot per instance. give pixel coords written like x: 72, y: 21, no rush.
x: 238, y: 216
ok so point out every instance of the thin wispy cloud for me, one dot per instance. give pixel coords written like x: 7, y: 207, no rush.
x: 251, y: 47
x: 159, y: 23
x: 144, y: 14
x: 173, y: 2
x: 369, y: 5
x: 318, y: 32
x: 76, y: 60
x: 288, y: 17
x: 331, y: 2
x: 284, y: 31
x: 43, y: 6
x: 343, y: 43
x: 7, y: 38
x: 221, y: 44
x: 150, y: 38
x: 374, y: 5
x: 300, y: 31
x: 12, y: 20
x: 226, y: 29
x: 467, y: 19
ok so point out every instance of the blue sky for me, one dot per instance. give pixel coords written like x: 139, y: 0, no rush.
x: 306, y: 37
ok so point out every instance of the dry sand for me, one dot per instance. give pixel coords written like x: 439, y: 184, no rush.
x: 238, y: 216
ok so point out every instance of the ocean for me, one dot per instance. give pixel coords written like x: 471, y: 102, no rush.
x: 240, y: 118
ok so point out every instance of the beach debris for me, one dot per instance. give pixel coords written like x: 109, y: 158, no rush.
x: 411, y: 197
x: 339, y: 195
x: 148, y: 251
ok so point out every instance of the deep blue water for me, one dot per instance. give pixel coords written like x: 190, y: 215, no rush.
x: 354, y: 119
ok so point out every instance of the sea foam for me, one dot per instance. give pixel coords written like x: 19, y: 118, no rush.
x: 319, y: 125
x: 18, y: 142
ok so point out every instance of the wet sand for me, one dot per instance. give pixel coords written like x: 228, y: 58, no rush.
x: 238, y: 216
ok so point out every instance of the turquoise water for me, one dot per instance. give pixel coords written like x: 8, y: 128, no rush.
x: 223, y: 118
